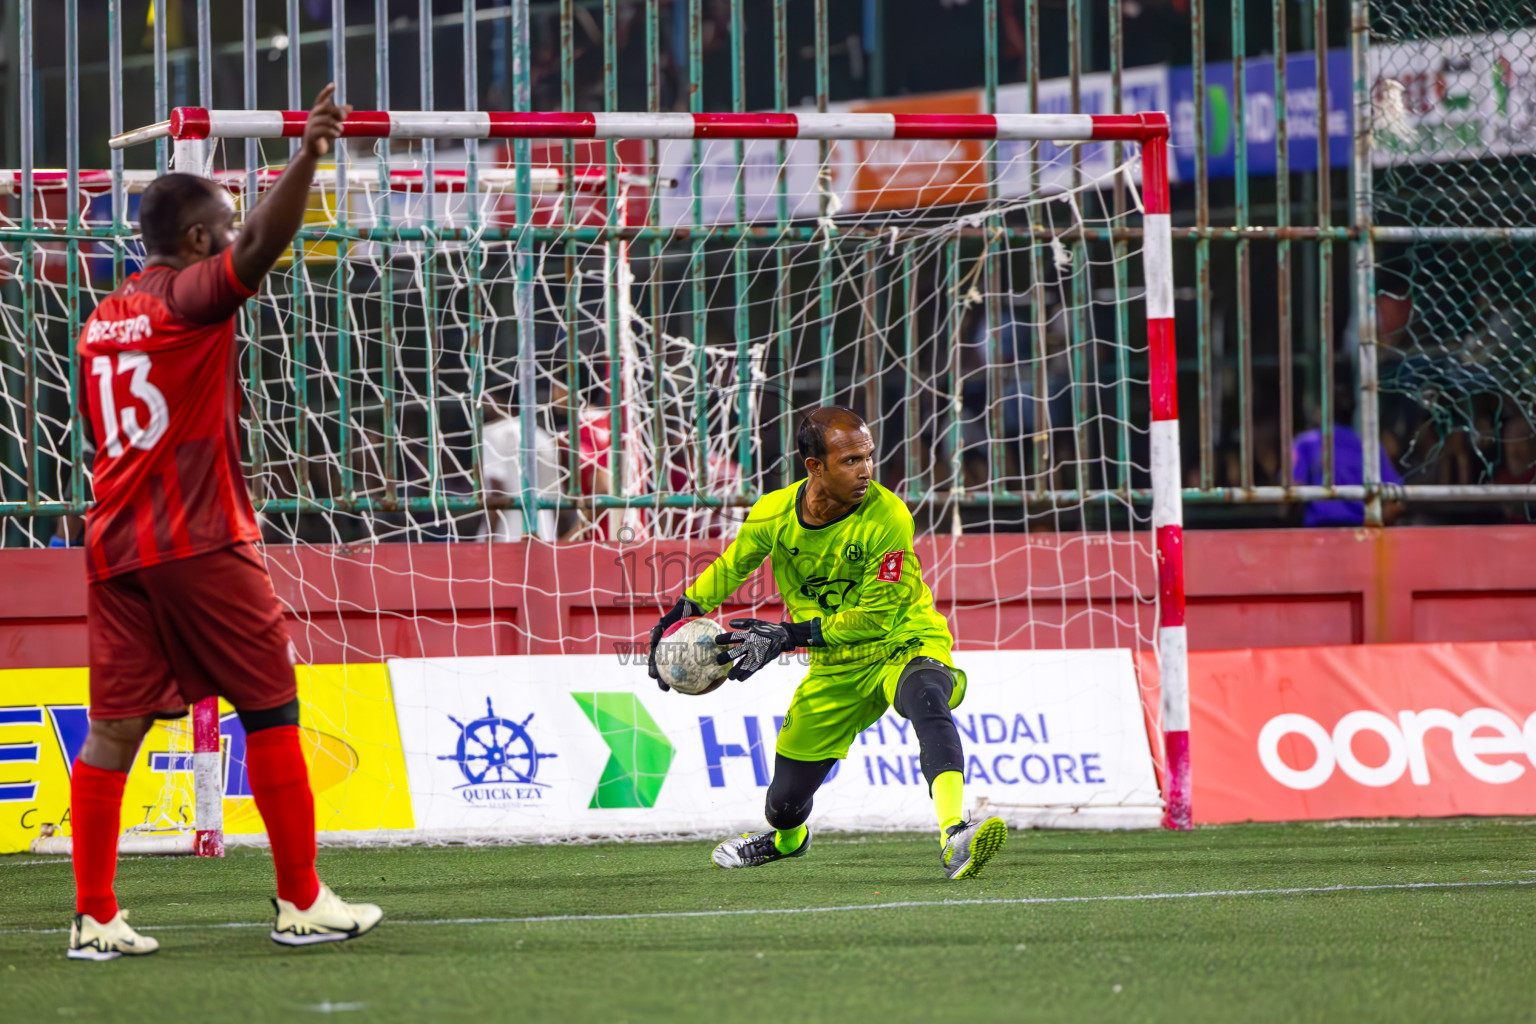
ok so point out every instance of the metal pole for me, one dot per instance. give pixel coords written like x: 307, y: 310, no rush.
x: 874, y: 45
x: 298, y: 285
x: 1244, y: 290
x: 295, y: 94
x: 1037, y: 316
x: 997, y: 456
x: 1208, y: 392
x: 781, y: 282
x: 29, y: 324
x: 13, y: 91
x: 1283, y: 247
x: 1325, y: 244
x: 342, y: 271
x: 567, y: 214
x: 1365, y: 262
x: 115, y: 126
x: 162, y: 147
x: 824, y: 312
x: 474, y: 257
x: 205, y: 55
x: 250, y: 322
x: 388, y: 342
x: 616, y: 353
x: 746, y: 429
x: 527, y: 367
x: 697, y: 255
x: 661, y: 453
x: 72, y: 247
x: 429, y: 336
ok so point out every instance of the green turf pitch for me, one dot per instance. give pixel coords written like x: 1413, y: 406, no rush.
x: 682, y: 940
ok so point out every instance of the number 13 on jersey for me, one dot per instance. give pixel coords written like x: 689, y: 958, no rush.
x: 120, y: 425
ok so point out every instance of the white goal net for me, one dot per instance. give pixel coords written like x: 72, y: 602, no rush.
x: 506, y: 399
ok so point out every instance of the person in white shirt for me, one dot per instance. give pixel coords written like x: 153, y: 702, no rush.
x: 501, y: 462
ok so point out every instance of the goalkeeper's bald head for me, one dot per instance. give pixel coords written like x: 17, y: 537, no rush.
x: 817, y: 425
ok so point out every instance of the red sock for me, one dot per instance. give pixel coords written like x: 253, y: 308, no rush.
x: 95, y: 815
x: 274, y: 761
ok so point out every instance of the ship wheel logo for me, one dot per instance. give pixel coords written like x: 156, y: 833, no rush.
x: 496, y: 749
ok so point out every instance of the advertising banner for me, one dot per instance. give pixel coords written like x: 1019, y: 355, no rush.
x: 1459, y: 98
x: 587, y: 745
x: 1378, y: 730
x: 1262, y: 114
x: 347, y: 726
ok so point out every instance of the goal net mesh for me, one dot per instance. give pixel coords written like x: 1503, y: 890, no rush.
x: 639, y: 325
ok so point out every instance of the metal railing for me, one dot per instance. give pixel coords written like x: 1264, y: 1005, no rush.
x: 1268, y: 302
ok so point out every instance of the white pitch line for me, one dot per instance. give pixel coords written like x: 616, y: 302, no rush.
x: 894, y: 905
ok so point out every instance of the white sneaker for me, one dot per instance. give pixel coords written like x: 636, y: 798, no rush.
x: 89, y: 939
x: 331, y: 919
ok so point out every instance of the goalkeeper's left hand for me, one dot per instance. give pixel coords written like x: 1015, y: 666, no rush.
x: 757, y: 642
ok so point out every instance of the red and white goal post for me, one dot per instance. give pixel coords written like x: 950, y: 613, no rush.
x: 195, y: 131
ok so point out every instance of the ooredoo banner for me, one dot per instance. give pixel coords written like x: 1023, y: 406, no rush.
x: 572, y: 745
x: 1381, y: 730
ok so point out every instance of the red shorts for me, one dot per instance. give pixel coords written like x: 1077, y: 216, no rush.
x: 167, y: 635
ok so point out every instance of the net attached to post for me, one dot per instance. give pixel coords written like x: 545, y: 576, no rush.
x: 610, y: 343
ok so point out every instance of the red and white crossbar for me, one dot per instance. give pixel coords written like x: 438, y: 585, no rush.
x: 188, y: 123
x: 358, y: 179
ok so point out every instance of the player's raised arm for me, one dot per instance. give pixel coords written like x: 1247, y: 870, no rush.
x: 270, y: 227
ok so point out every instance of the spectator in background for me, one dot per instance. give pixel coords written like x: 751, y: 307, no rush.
x: 1348, y: 467
x: 501, y: 461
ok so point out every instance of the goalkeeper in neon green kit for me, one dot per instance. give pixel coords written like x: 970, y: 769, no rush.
x: 853, y: 591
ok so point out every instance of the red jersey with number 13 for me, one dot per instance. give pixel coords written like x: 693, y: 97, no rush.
x: 158, y: 385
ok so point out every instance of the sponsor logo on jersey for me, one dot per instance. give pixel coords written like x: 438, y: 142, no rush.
x: 890, y: 567
x: 124, y: 332
x: 829, y: 594
x: 853, y: 553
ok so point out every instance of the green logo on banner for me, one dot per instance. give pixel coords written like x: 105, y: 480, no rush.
x: 641, y: 753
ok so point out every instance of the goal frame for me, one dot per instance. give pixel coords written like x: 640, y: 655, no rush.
x: 192, y: 129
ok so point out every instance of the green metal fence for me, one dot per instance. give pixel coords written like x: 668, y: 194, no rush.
x: 1423, y: 222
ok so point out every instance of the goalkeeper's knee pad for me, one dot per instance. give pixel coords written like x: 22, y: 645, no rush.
x: 922, y: 698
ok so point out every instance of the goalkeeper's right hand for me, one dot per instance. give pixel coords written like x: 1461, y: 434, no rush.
x: 683, y: 609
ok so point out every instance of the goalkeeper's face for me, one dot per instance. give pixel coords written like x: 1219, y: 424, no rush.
x: 850, y: 464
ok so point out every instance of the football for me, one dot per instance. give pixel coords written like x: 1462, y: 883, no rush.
x: 685, y: 658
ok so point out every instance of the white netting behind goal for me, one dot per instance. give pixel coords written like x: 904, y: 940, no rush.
x: 641, y: 334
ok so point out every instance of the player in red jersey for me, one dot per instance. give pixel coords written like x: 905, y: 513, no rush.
x: 180, y: 605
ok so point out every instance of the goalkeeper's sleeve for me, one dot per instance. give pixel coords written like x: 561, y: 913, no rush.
x: 735, y: 564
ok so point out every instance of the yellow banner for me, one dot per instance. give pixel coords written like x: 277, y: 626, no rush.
x: 347, y: 722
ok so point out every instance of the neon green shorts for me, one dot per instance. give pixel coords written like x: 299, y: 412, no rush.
x: 832, y: 706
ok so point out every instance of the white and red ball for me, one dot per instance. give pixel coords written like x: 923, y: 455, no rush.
x: 686, y: 656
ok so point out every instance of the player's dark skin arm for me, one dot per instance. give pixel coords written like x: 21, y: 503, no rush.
x: 270, y: 228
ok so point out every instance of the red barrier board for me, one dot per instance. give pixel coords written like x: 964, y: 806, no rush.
x: 1381, y: 730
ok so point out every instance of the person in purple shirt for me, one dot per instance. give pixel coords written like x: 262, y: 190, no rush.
x: 1348, y: 468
